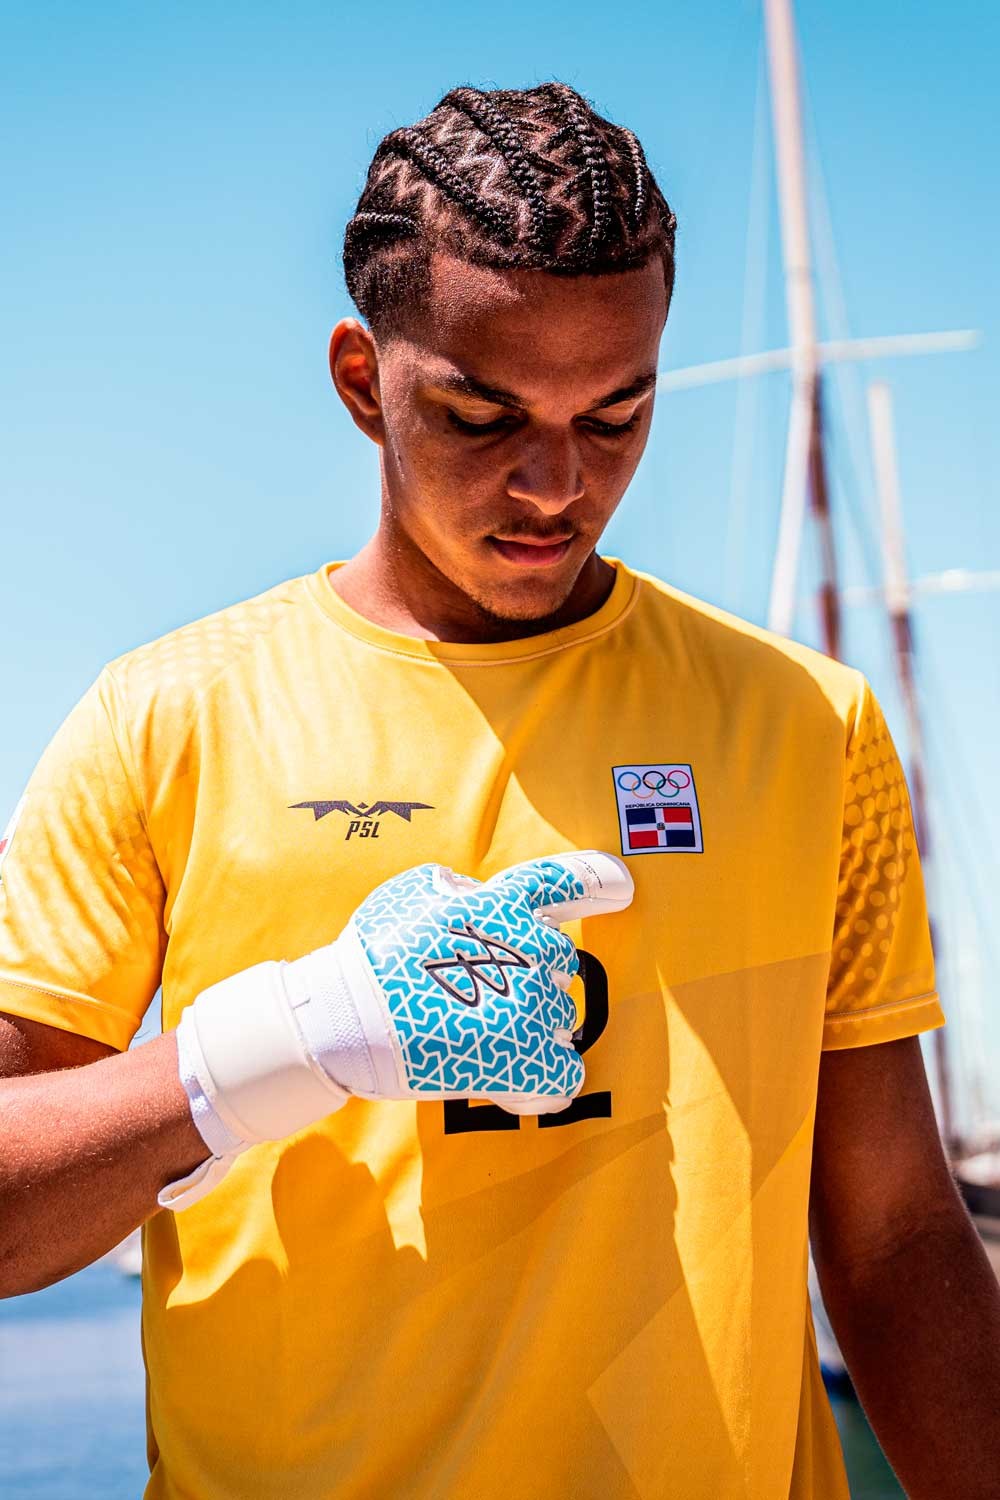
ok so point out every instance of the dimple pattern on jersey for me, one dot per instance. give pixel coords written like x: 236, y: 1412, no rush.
x: 82, y: 898
x: 505, y: 1043
x: 878, y: 847
x: 178, y: 667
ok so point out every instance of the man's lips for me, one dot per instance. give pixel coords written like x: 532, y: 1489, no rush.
x: 530, y: 552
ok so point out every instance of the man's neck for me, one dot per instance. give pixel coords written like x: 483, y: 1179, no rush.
x: 394, y: 585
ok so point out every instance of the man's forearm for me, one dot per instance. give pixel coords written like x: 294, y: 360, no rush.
x: 83, y: 1154
x: 920, y: 1331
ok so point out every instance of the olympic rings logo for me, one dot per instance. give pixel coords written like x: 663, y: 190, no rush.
x: 654, y: 783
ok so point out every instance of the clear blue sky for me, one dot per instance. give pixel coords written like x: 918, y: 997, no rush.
x: 175, y: 184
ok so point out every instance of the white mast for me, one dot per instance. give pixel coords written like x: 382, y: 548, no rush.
x: 804, y: 453
x: 806, y: 358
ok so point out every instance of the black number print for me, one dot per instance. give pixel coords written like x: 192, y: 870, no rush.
x: 462, y: 1115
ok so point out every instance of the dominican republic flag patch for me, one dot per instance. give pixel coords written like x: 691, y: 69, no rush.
x: 658, y: 809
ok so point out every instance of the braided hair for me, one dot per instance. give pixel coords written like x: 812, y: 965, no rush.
x: 505, y: 178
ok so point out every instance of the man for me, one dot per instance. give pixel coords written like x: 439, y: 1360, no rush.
x: 422, y: 1244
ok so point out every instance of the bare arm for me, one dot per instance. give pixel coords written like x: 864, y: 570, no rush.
x: 905, y: 1279
x: 88, y: 1137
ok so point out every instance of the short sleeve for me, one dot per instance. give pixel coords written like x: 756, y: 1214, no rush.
x: 81, y: 898
x: 881, y: 985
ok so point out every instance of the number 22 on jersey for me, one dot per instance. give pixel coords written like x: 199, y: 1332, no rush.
x: 462, y: 1116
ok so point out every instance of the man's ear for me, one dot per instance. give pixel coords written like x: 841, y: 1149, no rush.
x: 354, y: 368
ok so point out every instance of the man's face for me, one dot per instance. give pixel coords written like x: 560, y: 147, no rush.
x: 513, y: 416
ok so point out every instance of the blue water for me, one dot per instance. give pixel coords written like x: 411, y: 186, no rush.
x: 72, y: 1423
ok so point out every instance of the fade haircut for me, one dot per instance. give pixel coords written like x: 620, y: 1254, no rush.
x: 505, y: 178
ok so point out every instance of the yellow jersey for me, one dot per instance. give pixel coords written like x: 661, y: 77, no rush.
x: 423, y: 1301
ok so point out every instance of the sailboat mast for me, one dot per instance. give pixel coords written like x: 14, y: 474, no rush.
x: 805, y: 466
x: 898, y: 594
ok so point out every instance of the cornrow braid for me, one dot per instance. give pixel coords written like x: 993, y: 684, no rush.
x: 367, y: 222
x: 640, y: 201
x: 595, y: 166
x: 499, y: 129
x: 413, y: 145
x: 509, y: 179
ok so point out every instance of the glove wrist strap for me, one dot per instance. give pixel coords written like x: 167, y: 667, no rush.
x: 196, y: 1078
x: 187, y: 1190
x: 259, y: 1073
x: 247, y: 1071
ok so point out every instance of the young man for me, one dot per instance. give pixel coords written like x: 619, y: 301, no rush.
x: 432, y: 1237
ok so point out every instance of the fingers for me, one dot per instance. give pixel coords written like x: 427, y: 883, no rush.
x: 561, y: 1013
x: 547, y: 1104
x: 448, y: 883
x: 558, y: 952
x: 534, y: 1104
x: 563, y: 1071
x: 560, y: 887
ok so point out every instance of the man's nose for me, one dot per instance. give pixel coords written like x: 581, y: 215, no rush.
x: 548, y: 472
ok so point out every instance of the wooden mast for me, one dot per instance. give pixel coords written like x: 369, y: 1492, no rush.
x: 805, y: 470
x: 805, y: 467
x: 898, y: 594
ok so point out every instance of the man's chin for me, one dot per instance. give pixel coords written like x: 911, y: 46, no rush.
x: 525, y: 602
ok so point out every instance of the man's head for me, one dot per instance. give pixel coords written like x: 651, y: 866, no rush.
x: 513, y: 258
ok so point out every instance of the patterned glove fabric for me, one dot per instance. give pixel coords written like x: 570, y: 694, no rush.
x: 439, y: 987
x: 474, y: 982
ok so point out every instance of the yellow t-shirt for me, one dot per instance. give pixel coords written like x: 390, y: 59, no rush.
x: 420, y: 1300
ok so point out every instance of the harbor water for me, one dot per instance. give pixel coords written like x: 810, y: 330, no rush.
x: 72, y: 1404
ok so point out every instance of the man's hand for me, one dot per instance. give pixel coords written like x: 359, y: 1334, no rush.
x: 440, y: 987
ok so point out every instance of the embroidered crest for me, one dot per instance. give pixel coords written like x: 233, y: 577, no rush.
x: 658, y: 809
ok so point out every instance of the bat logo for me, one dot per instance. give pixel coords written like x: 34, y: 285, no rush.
x: 364, y: 819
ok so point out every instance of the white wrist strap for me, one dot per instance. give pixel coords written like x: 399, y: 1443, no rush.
x: 258, y: 1074
x: 191, y: 1066
x: 247, y: 1072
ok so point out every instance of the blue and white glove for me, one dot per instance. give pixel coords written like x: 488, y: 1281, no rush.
x: 439, y: 987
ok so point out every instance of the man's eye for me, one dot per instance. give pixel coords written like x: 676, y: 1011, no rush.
x: 612, y: 429
x: 497, y: 425
x: 501, y: 424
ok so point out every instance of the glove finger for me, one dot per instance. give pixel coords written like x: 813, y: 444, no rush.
x: 558, y: 1070
x: 543, y: 992
x: 560, y: 887
x: 556, y: 950
x: 535, y: 1104
x: 560, y: 1011
x: 562, y: 1064
x: 418, y: 890
x: 449, y: 883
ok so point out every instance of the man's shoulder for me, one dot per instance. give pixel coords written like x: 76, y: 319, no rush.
x: 739, y: 657
x: 181, y: 664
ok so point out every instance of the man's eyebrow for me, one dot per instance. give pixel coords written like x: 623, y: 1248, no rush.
x: 638, y: 387
x: 468, y: 385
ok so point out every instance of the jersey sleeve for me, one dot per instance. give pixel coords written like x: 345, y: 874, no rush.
x: 81, y: 898
x: 881, y: 985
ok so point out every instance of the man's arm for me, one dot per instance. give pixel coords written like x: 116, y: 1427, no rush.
x: 272, y: 1049
x: 88, y: 1137
x: 907, y: 1284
